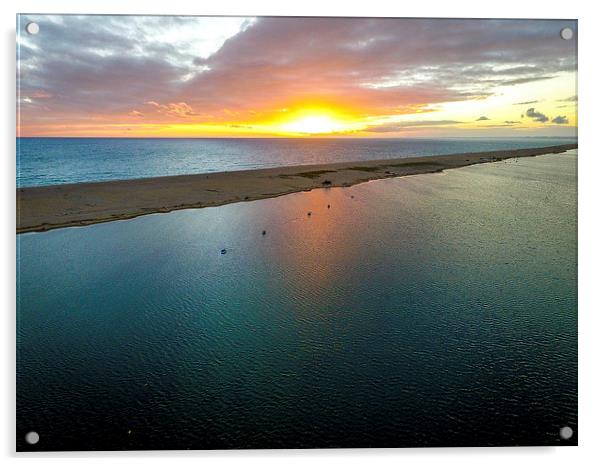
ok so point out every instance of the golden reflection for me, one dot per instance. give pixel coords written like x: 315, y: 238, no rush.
x: 318, y: 237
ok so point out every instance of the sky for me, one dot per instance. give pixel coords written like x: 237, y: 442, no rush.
x: 163, y: 76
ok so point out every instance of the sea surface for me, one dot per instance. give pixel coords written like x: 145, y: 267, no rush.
x: 48, y: 161
x: 431, y: 310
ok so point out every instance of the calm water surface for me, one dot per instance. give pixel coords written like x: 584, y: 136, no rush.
x: 45, y: 161
x: 433, y: 310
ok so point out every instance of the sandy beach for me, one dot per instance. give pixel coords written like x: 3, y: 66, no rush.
x: 58, y: 206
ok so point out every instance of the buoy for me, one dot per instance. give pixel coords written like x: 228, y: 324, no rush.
x: 224, y: 251
x: 263, y: 232
x: 329, y: 206
x: 309, y: 214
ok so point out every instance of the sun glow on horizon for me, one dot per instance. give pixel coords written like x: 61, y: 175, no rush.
x: 312, y: 122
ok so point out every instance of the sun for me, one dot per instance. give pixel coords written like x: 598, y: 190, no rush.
x: 313, y: 124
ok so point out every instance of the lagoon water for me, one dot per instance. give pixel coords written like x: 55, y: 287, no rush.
x: 432, y: 310
x: 46, y: 161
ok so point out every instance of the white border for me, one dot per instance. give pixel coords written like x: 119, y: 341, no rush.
x: 590, y: 322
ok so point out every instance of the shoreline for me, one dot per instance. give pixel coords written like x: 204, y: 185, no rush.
x: 46, y: 208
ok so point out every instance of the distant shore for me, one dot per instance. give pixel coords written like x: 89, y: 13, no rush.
x: 49, y: 207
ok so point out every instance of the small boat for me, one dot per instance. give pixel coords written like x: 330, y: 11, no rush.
x: 224, y: 251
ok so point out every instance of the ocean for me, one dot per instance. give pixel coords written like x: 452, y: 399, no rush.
x: 48, y: 161
x: 429, y: 310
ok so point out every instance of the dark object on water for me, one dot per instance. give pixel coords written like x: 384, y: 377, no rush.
x: 329, y: 206
x: 326, y: 182
x: 246, y: 198
x: 263, y: 232
x: 224, y: 251
x: 352, y: 197
x: 309, y: 214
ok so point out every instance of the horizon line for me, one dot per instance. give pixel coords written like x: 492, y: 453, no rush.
x: 298, y: 137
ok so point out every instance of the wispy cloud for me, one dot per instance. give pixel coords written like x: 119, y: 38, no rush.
x: 401, y: 126
x: 176, y: 109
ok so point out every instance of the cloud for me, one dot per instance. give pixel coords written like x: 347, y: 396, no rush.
x: 527, y: 79
x: 500, y: 125
x: 510, y: 122
x: 568, y: 99
x: 244, y: 70
x: 41, y: 94
x: 176, y: 109
x: 536, y: 116
x: 560, y: 120
x: 482, y: 118
x: 401, y: 126
x: 527, y: 102
x: 379, y: 66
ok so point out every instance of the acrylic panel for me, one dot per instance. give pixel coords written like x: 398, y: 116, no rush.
x: 288, y: 232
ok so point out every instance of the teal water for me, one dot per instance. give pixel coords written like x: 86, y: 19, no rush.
x: 50, y: 161
x: 432, y: 310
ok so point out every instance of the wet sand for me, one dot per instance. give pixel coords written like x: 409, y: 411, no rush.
x: 58, y: 206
